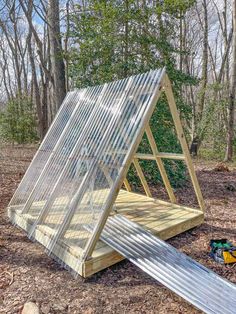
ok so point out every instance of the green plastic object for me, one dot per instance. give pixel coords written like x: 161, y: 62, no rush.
x: 218, y: 246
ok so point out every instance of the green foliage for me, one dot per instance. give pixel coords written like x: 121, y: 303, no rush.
x: 164, y: 133
x: 114, y: 39
x: 207, y: 153
x: 212, y: 127
x: 176, y: 7
x: 17, y: 121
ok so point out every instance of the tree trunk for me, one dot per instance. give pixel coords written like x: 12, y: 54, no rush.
x: 44, y: 100
x: 67, y: 34
x: 196, y: 139
x: 204, y: 63
x: 230, y: 131
x: 36, y: 92
x: 58, y: 67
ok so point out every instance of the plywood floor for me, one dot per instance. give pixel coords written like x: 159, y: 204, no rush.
x: 161, y: 218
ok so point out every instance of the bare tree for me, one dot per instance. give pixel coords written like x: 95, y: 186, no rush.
x: 35, y: 85
x: 231, y: 110
x: 58, y: 66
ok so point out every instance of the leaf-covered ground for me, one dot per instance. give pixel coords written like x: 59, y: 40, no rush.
x: 28, y: 274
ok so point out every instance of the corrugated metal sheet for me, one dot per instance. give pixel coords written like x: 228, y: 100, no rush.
x: 184, y: 276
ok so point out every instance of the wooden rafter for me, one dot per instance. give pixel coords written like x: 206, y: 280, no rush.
x: 160, y: 164
x: 127, y: 185
x: 142, y: 177
x: 182, y: 140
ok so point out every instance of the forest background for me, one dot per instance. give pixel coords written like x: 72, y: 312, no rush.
x: 48, y: 48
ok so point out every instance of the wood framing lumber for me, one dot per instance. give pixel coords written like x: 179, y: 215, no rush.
x: 160, y: 164
x: 127, y: 185
x: 159, y: 217
x: 182, y: 140
x: 142, y: 177
x: 160, y: 155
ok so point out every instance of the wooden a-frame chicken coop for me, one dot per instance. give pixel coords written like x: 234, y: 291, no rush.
x: 75, y: 180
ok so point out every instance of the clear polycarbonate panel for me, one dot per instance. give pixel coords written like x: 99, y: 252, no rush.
x: 75, y: 181
x: 45, y: 150
x: 42, y: 190
x: 195, y: 283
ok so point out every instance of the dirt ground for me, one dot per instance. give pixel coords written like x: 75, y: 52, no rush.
x: 28, y: 274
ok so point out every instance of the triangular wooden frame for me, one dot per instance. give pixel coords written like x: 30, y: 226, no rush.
x: 31, y: 194
x: 166, y: 87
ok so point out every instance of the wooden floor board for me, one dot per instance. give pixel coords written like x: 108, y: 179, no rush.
x: 161, y: 218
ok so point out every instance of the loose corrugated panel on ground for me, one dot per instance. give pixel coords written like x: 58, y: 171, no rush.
x: 184, y: 276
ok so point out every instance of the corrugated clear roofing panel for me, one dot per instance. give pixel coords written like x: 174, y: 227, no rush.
x: 65, y: 144
x: 177, y: 271
x: 89, y: 144
x: 27, y: 184
x: 105, y: 147
x: 74, y: 165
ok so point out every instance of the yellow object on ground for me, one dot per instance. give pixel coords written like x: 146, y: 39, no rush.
x: 229, y: 256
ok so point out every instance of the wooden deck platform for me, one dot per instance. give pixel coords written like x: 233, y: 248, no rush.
x: 161, y: 218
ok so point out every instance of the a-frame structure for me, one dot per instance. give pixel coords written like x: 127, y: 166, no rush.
x: 75, y: 180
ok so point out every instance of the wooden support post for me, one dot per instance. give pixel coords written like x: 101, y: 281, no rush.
x: 182, y: 140
x: 109, y: 179
x: 127, y: 185
x: 160, y: 164
x: 142, y: 177
x: 106, y: 173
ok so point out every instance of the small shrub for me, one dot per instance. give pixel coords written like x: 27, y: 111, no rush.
x: 17, y: 121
